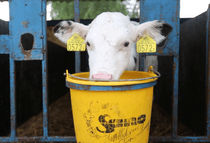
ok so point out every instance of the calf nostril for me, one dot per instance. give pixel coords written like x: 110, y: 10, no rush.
x: 102, y: 76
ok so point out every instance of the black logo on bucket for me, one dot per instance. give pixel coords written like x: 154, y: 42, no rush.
x: 115, y: 123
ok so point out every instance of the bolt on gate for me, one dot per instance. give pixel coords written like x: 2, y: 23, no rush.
x: 27, y: 19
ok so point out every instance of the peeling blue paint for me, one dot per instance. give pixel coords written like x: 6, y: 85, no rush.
x: 26, y: 19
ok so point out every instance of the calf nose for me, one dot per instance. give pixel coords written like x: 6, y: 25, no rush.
x: 102, y: 76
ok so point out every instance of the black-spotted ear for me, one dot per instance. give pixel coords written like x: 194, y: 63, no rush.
x: 158, y: 30
x: 65, y: 29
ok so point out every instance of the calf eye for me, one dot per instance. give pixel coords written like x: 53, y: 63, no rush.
x: 88, y: 43
x: 126, y: 44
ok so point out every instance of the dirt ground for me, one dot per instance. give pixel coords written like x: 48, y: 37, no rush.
x: 61, y: 122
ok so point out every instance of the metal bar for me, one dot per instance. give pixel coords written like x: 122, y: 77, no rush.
x: 141, y: 64
x: 12, y: 91
x: 208, y: 72
x: 77, y: 19
x: 44, y: 72
x: 73, y: 139
x: 12, y: 99
x: 39, y: 139
x: 158, y: 54
x: 175, y: 96
x: 76, y: 11
x: 141, y: 57
x: 179, y: 139
x: 45, y: 97
x: 176, y: 75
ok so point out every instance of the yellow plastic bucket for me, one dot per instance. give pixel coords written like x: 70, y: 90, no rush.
x: 112, y: 112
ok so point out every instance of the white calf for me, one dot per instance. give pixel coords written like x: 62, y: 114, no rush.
x: 110, y: 40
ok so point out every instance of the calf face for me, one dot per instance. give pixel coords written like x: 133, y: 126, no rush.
x: 110, y: 40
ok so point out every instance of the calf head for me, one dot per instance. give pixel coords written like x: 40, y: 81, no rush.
x: 110, y: 40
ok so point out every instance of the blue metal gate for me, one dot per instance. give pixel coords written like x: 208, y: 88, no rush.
x: 28, y: 18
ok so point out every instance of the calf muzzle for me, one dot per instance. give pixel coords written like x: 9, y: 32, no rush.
x: 101, y: 75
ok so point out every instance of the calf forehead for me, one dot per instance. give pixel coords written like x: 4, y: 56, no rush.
x: 110, y: 27
x: 108, y: 17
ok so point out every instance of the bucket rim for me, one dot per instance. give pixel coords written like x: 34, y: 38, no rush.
x: 150, y: 77
x: 110, y: 88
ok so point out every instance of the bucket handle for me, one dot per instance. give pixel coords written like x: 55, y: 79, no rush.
x: 138, y: 79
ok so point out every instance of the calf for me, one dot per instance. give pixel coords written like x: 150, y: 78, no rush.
x: 110, y: 40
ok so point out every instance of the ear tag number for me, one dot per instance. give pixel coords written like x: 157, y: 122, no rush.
x: 146, y: 45
x: 76, y: 43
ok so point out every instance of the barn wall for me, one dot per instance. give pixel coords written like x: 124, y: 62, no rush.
x: 192, y: 95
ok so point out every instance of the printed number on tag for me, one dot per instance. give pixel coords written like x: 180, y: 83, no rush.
x: 76, y: 43
x: 146, y: 45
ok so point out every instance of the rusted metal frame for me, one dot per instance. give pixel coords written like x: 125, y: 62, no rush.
x: 12, y: 105
x: 179, y: 139
x: 175, y: 52
x: 174, y: 49
x: 39, y: 139
x: 45, y: 96
x: 167, y: 53
x: 12, y: 100
x: 12, y: 89
x: 44, y: 72
x: 141, y: 57
x: 24, y: 22
x: 208, y: 73
x: 175, y: 95
x: 77, y: 19
x: 73, y: 139
x: 151, y: 10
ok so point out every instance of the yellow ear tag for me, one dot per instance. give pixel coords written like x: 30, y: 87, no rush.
x: 76, y: 43
x: 146, y: 45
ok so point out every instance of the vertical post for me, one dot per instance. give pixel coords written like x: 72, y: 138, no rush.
x: 77, y: 19
x: 169, y: 12
x: 208, y: 72
x: 12, y: 99
x: 141, y: 63
x: 141, y: 57
x: 175, y: 95
x: 12, y: 88
x: 45, y: 96
x: 44, y: 71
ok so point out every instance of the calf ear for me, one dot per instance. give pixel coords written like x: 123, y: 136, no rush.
x: 158, y: 30
x: 65, y: 29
